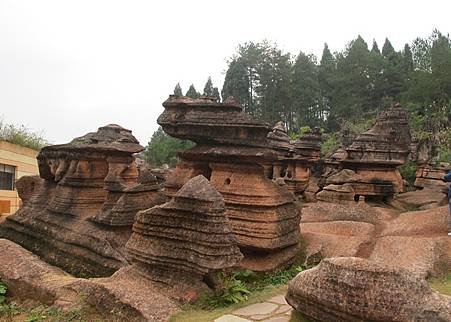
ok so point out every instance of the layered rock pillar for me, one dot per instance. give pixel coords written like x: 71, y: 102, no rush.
x: 234, y: 152
x: 375, y: 155
x: 186, y: 238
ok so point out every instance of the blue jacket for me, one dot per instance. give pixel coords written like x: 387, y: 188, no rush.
x: 447, y: 178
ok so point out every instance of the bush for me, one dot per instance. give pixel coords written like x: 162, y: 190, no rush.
x: 408, y: 171
x: 330, y: 144
x: 238, y: 285
x: 21, y: 136
x: 444, y: 155
x: 302, y: 131
x: 358, y: 127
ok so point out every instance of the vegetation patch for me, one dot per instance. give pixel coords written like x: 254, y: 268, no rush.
x: 240, y: 288
x: 22, y: 136
x: 163, y: 149
x: 441, y: 285
x: 31, y: 311
x: 408, y: 172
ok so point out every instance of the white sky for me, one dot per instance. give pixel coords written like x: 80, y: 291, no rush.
x: 68, y: 67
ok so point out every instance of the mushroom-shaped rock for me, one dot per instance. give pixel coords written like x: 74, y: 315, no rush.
x: 80, y: 183
x: 188, y: 236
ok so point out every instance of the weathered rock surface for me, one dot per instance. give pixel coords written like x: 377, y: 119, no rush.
x: 344, y: 176
x: 432, y: 222
x: 337, y: 238
x: 337, y: 193
x: 78, y: 214
x: 245, y: 162
x: 414, y: 240
x: 374, y: 156
x: 356, y: 212
x: 186, y: 238
x: 356, y: 289
x: 423, y: 256
x: 127, y: 293
x: 422, y: 199
x: 429, y: 176
x: 145, y: 194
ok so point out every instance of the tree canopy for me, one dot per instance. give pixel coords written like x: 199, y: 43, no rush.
x: 163, y: 149
x: 346, y: 87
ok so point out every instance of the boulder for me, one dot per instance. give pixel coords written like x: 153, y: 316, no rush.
x: 130, y: 296
x: 356, y: 289
x: 358, y: 212
x: 344, y: 176
x: 420, y: 198
x: 337, y: 238
x: 431, y: 222
x: 422, y: 255
x: 337, y: 193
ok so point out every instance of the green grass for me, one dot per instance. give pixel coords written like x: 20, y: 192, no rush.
x: 441, y: 285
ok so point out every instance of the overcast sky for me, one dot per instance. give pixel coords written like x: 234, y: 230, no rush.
x: 68, y: 67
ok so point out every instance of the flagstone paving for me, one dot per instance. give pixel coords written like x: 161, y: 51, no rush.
x: 275, y: 309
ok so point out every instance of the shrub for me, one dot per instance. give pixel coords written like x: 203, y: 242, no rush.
x: 302, y: 131
x: 3, y: 289
x: 233, y: 291
x: 22, y: 136
x: 408, y: 171
x: 330, y: 144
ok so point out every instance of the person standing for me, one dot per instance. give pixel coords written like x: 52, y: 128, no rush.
x: 447, y: 179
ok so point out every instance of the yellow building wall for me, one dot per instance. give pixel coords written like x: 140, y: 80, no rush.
x: 24, y: 159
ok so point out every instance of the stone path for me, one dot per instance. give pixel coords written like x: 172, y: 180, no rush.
x: 275, y: 309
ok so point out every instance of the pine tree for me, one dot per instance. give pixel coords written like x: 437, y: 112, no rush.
x: 178, y: 90
x: 192, y: 92
x: 377, y: 84
x: 392, y: 72
x: 273, y: 87
x: 352, y: 96
x: 306, y: 92
x: 387, y: 49
x: 326, y: 81
x: 375, y: 49
x: 407, y: 59
x: 236, y: 83
x: 208, y: 88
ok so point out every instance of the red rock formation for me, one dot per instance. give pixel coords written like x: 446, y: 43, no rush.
x: 186, y: 238
x: 242, y: 159
x: 295, y: 158
x: 430, y: 177
x: 87, y: 188
x: 125, y: 296
x: 376, y: 154
x: 355, y: 289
